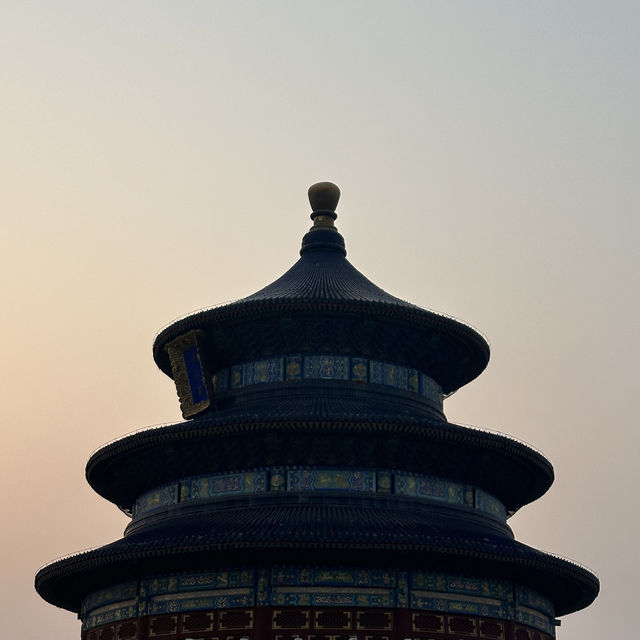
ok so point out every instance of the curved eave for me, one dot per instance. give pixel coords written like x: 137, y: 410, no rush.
x: 465, y: 352
x: 121, y: 471
x: 66, y: 582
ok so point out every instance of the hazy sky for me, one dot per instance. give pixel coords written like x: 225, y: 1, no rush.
x: 155, y: 157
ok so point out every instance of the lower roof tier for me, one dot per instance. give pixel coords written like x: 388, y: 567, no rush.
x: 274, y: 538
x: 319, y: 430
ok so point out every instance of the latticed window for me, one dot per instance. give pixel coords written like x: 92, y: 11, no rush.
x: 491, y: 629
x: 333, y: 619
x: 462, y: 625
x: 197, y: 622
x: 127, y: 630
x: 163, y: 625
x: 107, y: 633
x: 236, y: 620
x: 374, y: 620
x: 290, y: 619
x: 426, y: 622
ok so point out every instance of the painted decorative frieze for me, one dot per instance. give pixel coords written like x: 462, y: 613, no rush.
x: 332, y: 587
x: 310, y: 479
x: 294, y: 368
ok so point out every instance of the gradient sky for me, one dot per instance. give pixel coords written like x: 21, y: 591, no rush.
x: 155, y: 158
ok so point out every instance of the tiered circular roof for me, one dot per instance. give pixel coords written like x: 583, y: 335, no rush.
x: 322, y: 305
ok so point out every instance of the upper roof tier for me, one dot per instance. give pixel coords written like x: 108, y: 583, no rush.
x: 324, y: 305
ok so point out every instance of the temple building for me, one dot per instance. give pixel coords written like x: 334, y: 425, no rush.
x: 315, y: 489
